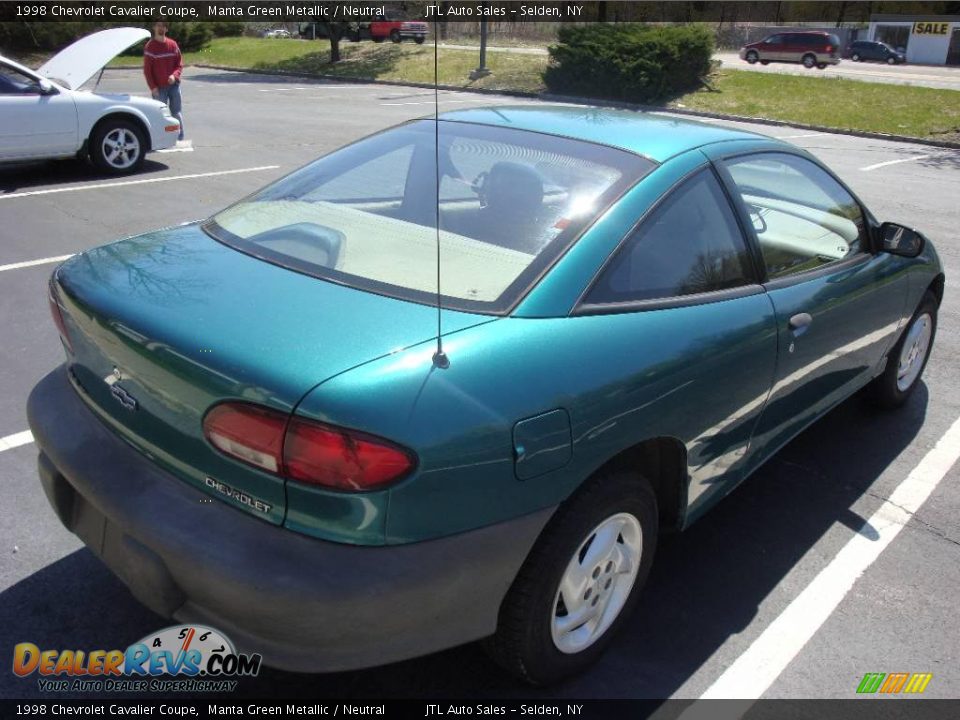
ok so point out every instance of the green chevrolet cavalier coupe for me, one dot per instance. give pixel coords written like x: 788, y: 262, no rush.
x: 451, y: 381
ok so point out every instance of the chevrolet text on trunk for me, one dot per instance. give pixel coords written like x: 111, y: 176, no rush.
x: 633, y: 313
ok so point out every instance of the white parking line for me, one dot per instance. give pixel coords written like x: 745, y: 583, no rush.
x: 142, y: 181
x: 31, y: 263
x: 430, y: 102
x: 16, y: 440
x: 895, y: 162
x: 768, y: 656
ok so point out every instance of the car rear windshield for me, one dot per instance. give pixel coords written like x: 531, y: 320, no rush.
x: 510, y: 202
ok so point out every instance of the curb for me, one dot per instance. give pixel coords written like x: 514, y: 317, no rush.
x: 602, y: 103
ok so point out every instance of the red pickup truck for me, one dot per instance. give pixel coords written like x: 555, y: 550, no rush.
x: 397, y: 30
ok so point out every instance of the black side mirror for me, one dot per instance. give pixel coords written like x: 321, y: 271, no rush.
x: 900, y: 240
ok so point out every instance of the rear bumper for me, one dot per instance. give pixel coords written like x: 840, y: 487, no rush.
x: 304, y: 604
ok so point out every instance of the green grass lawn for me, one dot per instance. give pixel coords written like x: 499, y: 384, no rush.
x: 367, y: 60
x: 831, y: 102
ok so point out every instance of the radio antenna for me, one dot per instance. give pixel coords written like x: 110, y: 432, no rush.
x: 440, y: 358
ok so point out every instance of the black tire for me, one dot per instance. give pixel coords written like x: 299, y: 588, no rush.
x: 395, y: 36
x: 752, y: 57
x: 891, y: 61
x: 379, y: 39
x: 809, y: 61
x: 821, y: 66
x: 132, y: 139
x: 764, y: 62
x: 855, y: 57
x: 884, y: 391
x: 523, y: 644
x: 419, y: 39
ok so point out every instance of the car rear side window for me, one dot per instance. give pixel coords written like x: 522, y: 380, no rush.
x: 689, y: 244
x: 510, y: 202
x: 802, y: 216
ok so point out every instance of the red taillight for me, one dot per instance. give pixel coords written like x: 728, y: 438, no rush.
x: 303, y: 450
x: 829, y: 48
x: 342, y: 459
x: 57, y: 313
x: 249, y: 433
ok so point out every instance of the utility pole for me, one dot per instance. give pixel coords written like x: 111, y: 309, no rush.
x: 483, y: 70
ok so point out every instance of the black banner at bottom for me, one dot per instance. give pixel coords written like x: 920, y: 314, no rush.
x: 853, y: 709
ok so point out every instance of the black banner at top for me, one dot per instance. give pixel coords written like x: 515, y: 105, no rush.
x: 716, y: 11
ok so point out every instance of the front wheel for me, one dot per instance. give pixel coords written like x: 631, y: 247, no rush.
x: 395, y: 36
x: 580, y: 582
x: 764, y: 62
x: 809, y: 61
x: 118, y: 146
x: 855, y: 57
x: 891, y: 61
x: 907, y: 359
x: 419, y: 39
x: 752, y: 57
x: 821, y: 66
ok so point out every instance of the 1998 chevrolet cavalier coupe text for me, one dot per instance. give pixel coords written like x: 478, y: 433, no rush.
x: 636, y: 313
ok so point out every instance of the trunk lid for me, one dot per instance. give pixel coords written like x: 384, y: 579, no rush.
x: 167, y: 324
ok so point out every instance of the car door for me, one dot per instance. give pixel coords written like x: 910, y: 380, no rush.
x: 34, y: 124
x: 838, y: 305
x: 689, y: 324
x: 772, y: 48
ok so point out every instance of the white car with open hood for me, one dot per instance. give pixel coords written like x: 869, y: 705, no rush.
x: 45, y: 114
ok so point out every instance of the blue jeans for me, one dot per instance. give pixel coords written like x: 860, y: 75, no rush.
x: 171, y: 96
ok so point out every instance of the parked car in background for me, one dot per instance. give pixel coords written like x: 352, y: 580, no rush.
x: 255, y: 428
x: 870, y: 50
x: 44, y: 114
x: 277, y: 33
x: 811, y: 49
x: 388, y: 27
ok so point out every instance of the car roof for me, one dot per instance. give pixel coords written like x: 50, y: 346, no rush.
x: 652, y: 135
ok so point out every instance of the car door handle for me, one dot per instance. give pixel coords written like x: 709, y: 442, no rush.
x: 799, y: 323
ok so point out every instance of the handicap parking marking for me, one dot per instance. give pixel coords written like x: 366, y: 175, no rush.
x: 16, y: 440
x: 142, y: 181
x: 754, y: 671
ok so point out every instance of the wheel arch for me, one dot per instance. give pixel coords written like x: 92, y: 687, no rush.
x: 663, y: 462
x: 937, y: 287
x: 128, y: 115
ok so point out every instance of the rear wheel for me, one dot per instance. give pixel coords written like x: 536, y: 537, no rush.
x: 907, y: 359
x: 855, y: 57
x: 118, y: 146
x: 809, y: 60
x: 891, y: 61
x: 764, y: 62
x: 821, y: 66
x: 752, y: 57
x: 395, y: 36
x: 580, y: 582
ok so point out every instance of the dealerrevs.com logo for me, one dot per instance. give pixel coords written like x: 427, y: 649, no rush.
x: 181, y: 658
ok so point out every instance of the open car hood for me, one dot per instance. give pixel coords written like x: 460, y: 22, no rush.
x: 77, y: 63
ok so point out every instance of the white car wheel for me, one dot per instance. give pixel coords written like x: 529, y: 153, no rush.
x: 118, y: 146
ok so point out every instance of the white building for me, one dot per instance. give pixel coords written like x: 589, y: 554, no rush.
x: 927, y: 39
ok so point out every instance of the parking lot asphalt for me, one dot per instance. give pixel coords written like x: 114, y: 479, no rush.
x: 716, y: 590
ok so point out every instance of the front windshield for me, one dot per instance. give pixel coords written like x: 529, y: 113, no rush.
x: 510, y: 202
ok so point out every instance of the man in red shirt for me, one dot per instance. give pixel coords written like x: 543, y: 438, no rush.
x: 162, y: 65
